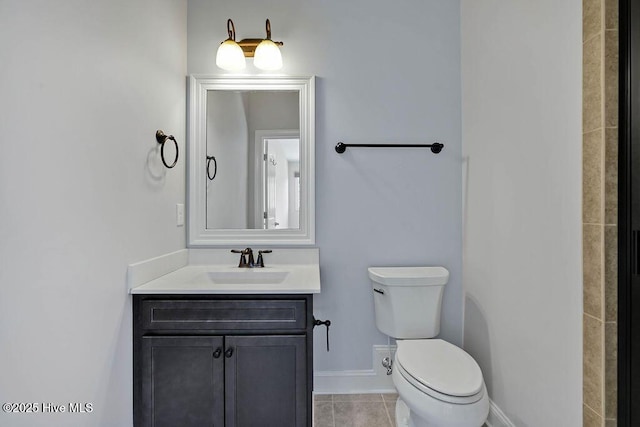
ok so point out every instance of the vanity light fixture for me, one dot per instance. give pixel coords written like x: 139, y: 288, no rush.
x: 265, y: 52
x: 267, y: 55
x: 230, y: 56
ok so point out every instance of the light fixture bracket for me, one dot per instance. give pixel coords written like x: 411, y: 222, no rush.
x: 231, y: 30
x: 249, y: 46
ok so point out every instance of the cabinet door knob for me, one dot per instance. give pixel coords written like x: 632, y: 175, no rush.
x: 229, y: 352
x: 217, y: 353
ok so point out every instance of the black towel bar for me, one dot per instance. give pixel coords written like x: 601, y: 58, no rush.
x: 436, y: 147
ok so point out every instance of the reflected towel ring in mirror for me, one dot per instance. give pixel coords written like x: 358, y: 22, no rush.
x: 162, y: 138
x: 215, y: 167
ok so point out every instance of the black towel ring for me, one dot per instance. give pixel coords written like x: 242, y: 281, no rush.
x: 162, y: 138
x: 215, y: 167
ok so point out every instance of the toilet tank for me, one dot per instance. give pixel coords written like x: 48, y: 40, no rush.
x: 407, y: 300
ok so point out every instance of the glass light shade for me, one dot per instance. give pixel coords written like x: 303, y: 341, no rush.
x: 267, y: 56
x: 230, y: 56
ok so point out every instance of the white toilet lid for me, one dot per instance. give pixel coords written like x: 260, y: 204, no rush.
x: 441, y: 366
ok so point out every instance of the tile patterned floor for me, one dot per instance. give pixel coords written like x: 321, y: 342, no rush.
x: 354, y: 410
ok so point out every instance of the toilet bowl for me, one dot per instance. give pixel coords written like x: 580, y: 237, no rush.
x: 439, y: 384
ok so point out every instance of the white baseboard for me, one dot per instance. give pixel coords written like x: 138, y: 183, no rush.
x: 497, y: 418
x: 373, y: 380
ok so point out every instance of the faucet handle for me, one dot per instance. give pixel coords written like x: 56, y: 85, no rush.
x: 260, y: 262
x: 243, y: 258
x: 250, y: 261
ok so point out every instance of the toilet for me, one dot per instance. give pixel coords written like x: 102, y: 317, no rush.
x: 438, y: 383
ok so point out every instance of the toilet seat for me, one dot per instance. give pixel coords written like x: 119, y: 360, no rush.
x: 440, y: 369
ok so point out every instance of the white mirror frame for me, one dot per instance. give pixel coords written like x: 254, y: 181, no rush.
x: 197, y: 232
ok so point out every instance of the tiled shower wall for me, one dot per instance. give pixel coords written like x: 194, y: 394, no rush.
x: 599, y: 210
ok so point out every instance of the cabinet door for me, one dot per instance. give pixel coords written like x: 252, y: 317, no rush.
x: 183, y: 381
x: 266, y: 381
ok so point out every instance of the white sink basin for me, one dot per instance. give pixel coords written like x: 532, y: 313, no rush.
x: 253, y: 276
x: 216, y: 271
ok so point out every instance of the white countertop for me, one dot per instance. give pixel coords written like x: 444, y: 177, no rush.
x: 300, y: 276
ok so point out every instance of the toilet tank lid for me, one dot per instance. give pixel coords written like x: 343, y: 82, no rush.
x: 441, y: 366
x: 409, y: 276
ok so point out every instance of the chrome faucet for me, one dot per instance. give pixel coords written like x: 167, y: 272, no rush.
x: 250, y: 263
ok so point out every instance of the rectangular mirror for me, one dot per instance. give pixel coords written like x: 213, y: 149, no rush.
x: 251, y: 160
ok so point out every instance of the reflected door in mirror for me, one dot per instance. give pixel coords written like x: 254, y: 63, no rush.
x: 281, y: 157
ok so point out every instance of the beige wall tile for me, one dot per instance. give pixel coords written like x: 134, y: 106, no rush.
x: 611, y: 370
x: 600, y: 203
x: 593, y: 280
x: 592, y: 177
x: 593, y: 363
x: 591, y: 18
x: 611, y: 14
x: 611, y: 273
x: 592, y: 84
x: 610, y: 423
x: 590, y: 418
x: 611, y: 78
x: 611, y: 176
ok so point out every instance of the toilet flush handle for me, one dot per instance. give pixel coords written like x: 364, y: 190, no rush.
x: 380, y: 291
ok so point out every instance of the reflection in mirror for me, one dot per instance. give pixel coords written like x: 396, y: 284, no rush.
x: 251, y: 160
x: 278, y: 183
x: 255, y: 138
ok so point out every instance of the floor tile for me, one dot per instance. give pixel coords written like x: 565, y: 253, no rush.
x: 373, y: 397
x: 390, y: 397
x: 323, y: 398
x: 391, y: 411
x: 360, y: 414
x: 323, y: 414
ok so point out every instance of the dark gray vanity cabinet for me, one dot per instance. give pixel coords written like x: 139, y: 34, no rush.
x: 184, y: 382
x: 270, y: 370
x: 231, y: 360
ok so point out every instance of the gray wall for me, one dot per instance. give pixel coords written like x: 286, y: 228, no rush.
x: 522, y: 133
x: 387, y: 72
x: 85, y: 85
x: 227, y: 135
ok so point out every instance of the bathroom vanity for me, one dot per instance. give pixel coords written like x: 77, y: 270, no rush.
x: 223, y: 360
x: 217, y: 345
